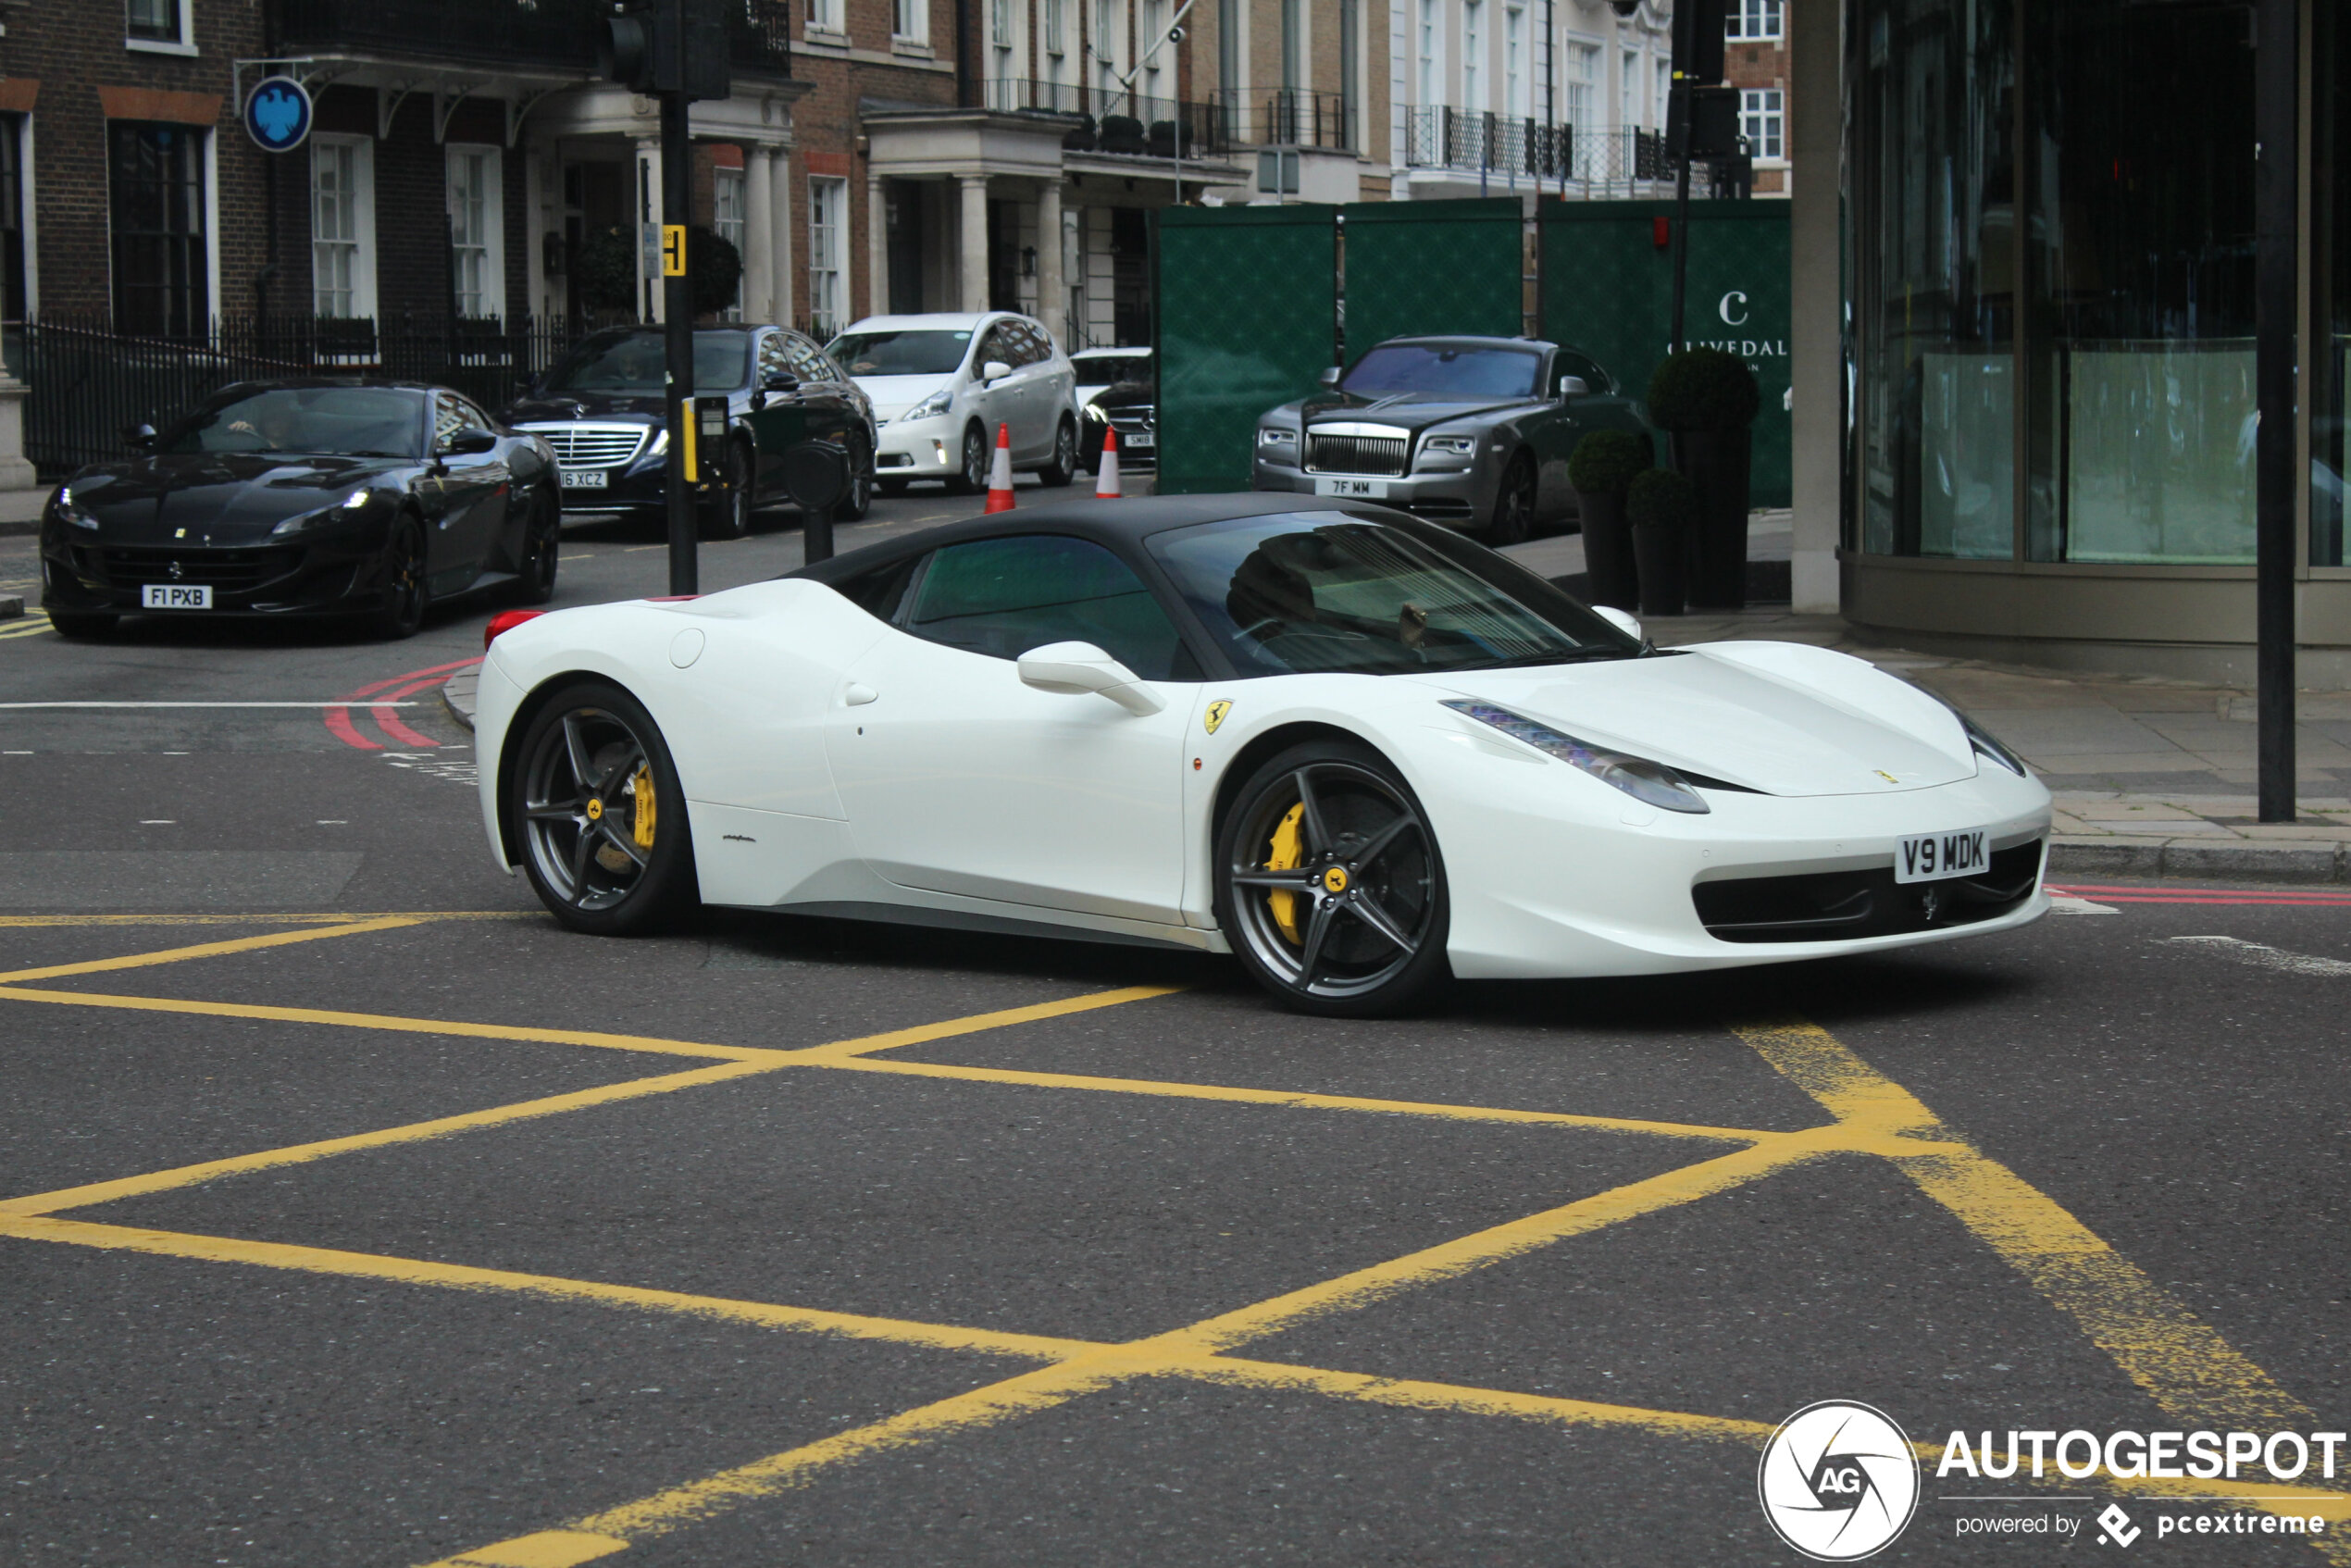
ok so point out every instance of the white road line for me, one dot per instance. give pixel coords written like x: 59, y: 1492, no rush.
x: 340, y: 703
x: 2268, y: 957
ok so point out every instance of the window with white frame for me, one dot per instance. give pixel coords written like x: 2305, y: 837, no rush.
x: 1628, y: 89
x: 1752, y: 20
x: 1431, y: 60
x: 1054, y: 30
x: 1664, y: 90
x: 1583, y: 85
x: 1515, y: 61
x: 1106, y: 51
x: 343, y: 226
x: 1154, y: 22
x: 1472, y: 84
x: 827, y: 223
x: 824, y: 16
x: 1763, y: 120
x: 159, y: 25
x: 477, y: 230
x: 726, y: 209
x: 910, y: 20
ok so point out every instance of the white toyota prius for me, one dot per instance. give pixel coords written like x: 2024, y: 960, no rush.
x: 1355, y: 749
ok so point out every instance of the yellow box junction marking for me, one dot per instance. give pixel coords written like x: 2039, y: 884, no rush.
x: 2186, y: 1367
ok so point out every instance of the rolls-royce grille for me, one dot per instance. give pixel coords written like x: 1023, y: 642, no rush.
x: 229, y: 570
x: 1354, y: 454
x: 590, y: 446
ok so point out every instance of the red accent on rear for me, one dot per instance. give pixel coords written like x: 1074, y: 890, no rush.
x: 505, y: 621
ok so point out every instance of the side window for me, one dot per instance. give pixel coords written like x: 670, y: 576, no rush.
x: 806, y: 363
x: 1003, y: 597
x: 1571, y: 363
x: 997, y: 345
x: 1031, y: 346
x: 449, y: 416
x: 772, y: 357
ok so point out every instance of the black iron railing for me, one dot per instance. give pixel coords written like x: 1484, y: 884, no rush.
x: 1126, y: 124
x: 89, y: 383
x: 1288, y: 117
x: 549, y: 35
x: 1590, y: 163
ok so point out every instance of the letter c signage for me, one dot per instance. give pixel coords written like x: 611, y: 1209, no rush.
x: 1723, y: 309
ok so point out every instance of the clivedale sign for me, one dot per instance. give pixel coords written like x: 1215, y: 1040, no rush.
x: 1732, y: 308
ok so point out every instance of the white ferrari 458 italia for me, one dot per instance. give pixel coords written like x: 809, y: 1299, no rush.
x: 1356, y: 750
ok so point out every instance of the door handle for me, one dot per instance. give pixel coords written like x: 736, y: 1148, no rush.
x: 856, y: 696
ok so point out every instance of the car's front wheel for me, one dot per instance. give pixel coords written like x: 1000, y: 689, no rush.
x: 1513, y: 520
x: 727, y: 514
x: 972, y: 477
x: 1329, y: 885
x: 595, y: 799
x: 1063, y: 467
x: 543, y: 530
x: 406, y: 590
x: 860, y: 499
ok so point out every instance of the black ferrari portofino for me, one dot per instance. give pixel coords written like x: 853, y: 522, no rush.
x: 305, y: 498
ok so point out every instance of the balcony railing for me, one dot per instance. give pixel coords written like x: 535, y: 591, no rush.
x: 1513, y: 151
x: 556, y: 35
x: 1288, y: 117
x: 1123, y: 124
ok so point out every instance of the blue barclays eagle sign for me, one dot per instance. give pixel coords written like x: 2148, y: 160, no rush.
x: 277, y: 114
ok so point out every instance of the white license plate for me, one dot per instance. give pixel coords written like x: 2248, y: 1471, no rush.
x: 1930, y: 857
x: 585, y: 479
x: 1141, y: 440
x: 1356, y: 490
x: 176, y: 596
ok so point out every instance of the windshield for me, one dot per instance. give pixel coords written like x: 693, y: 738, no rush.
x: 1323, y: 592
x: 632, y: 364
x: 1113, y: 370
x: 1436, y: 370
x: 929, y: 350
x: 346, y: 421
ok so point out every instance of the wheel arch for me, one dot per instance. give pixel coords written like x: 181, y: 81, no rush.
x: 1274, y: 740
x: 509, y: 743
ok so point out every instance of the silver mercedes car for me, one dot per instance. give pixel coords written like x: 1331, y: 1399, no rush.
x: 1471, y: 432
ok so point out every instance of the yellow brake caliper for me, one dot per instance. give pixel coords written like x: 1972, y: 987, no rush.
x: 641, y: 819
x: 1287, y: 853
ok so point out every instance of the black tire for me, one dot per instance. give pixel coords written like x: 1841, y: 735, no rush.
x: 893, y: 486
x: 972, y: 480
x: 406, y: 590
x: 1333, y: 825
x: 81, y: 624
x: 542, y: 532
x: 727, y: 514
x: 860, y: 499
x: 1513, y: 519
x: 588, y: 760
x: 1063, y: 467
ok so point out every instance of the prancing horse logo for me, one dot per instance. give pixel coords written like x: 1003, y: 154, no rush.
x: 1215, y: 716
x: 177, y: 571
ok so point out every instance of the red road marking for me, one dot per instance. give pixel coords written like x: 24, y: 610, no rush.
x: 2308, y: 898
x: 338, y: 719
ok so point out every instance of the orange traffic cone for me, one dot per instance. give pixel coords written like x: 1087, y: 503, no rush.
x: 1106, y: 471
x: 1000, y: 477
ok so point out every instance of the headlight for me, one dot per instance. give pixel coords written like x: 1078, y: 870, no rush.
x: 1651, y: 783
x: 932, y: 407
x: 1986, y: 745
x: 1270, y: 437
x: 71, y: 512
x: 1459, y: 446
x: 1094, y: 413
x: 660, y: 445
x: 343, y: 511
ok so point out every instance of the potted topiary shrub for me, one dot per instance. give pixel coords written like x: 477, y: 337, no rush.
x: 1660, y: 505
x: 1706, y: 400
x: 1601, y: 465
x: 1122, y: 133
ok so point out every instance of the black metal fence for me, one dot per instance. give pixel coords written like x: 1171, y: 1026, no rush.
x: 557, y: 34
x: 88, y: 383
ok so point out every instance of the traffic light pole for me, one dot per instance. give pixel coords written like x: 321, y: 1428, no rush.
x: 677, y: 314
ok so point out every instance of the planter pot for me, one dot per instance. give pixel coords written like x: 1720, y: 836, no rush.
x: 1658, y: 553
x: 1608, y: 549
x: 1717, y: 464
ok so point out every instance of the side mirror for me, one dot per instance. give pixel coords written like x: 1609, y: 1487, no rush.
x: 1075, y: 667
x: 1574, y: 386
x: 1620, y: 619
x: 779, y: 382
x: 471, y: 441
x: 994, y: 370
x: 1329, y: 377
x: 140, y: 435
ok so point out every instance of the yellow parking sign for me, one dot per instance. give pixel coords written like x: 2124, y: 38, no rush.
x: 673, y: 250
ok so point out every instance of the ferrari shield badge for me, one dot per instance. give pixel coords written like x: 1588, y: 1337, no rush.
x: 1216, y: 712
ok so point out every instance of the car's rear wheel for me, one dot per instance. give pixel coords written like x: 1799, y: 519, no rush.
x: 727, y: 514
x: 1329, y: 885
x: 1513, y: 519
x: 596, y: 801
x: 972, y: 477
x: 1063, y: 467
x: 82, y: 623
x: 543, y: 530
x: 406, y: 590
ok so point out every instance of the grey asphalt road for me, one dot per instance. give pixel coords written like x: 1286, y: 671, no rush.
x: 393, y: 1226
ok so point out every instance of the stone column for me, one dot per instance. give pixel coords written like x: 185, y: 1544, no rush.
x: 974, y: 241
x: 877, y: 254
x: 644, y: 206
x: 1816, y: 432
x: 779, y: 219
x: 1052, y: 296
x: 759, y: 235
x: 15, y: 472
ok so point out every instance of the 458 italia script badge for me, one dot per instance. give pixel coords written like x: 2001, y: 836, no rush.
x: 1839, y: 1481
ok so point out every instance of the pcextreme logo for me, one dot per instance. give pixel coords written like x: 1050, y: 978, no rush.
x: 1839, y: 1481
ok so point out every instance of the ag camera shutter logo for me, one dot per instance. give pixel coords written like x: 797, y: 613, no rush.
x: 1839, y: 1481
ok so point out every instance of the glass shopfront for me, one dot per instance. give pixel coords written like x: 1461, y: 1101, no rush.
x: 2052, y: 270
